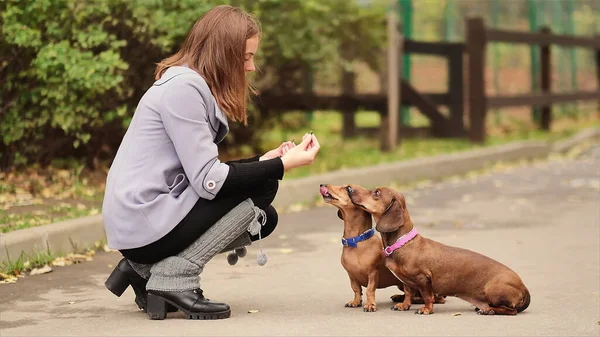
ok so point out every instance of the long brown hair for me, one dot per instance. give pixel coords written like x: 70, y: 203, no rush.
x: 215, y: 48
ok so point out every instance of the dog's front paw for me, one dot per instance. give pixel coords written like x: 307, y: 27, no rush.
x: 401, y: 307
x: 370, y: 307
x: 487, y: 311
x: 353, y: 304
x: 424, y: 311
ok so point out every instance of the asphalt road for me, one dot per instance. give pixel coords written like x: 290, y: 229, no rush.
x: 541, y: 220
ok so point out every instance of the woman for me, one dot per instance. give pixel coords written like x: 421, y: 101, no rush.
x: 170, y: 205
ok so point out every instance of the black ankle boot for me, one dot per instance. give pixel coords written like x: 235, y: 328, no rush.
x: 122, y: 277
x: 192, y: 303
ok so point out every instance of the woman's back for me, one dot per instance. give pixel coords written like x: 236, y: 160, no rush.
x: 166, y: 161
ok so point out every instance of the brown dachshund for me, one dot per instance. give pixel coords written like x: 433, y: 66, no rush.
x: 361, y: 255
x: 432, y: 267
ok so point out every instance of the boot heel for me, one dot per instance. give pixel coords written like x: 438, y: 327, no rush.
x: 157, y: 307
x: 117, y: 282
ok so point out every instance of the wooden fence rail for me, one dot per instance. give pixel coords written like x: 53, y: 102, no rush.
x: 348, y: 103
x: 478, y: 36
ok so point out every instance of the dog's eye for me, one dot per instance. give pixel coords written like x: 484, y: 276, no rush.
x: 377, y: 193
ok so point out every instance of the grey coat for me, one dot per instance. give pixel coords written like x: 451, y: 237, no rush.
x: 167, y: 160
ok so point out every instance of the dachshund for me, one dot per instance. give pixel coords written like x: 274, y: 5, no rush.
x: 434, y: 268
x: 361, y: 254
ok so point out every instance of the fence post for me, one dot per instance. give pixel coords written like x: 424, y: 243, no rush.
x: 348, y: 116
x: 475, y: 46
x: 545, y: 82
x: 456, y: 91
x: 406, y: 8
x: 533, y: 9
x: 393, y: 96
x: 597, y: 52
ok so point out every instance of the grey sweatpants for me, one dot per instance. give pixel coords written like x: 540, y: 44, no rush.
x: 182, y: 271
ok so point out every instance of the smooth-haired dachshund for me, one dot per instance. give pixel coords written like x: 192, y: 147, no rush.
x: 361, y: 253
x: 432, y: 267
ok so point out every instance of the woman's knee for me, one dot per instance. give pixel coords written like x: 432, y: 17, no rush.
x: 270, y: 224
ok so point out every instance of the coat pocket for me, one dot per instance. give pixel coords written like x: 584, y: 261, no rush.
x: 180, y: 183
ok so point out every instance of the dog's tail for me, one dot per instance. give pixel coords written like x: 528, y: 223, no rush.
x: 525, y: 301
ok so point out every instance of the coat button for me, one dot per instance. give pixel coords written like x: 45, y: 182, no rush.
x: 211, y: 184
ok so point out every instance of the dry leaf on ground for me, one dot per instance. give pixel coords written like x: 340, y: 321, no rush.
x: 8, y: 279
x: 43, y: 270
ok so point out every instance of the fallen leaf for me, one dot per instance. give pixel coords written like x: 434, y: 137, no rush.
x: 285, y: 250
x: 10, y: 279
x: 72, y: 302
x: 59, y: 262
x: 46, y: 192
x: 424, y: 184
x: 456, y: 314
x: 63, y: 174
x: 253, y: 311
x: 296, y: 208
x: 110, y: 266
x: 38, y: 271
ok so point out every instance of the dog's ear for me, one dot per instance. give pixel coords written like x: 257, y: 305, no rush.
x: 392, y: 218
x: 339, y: 214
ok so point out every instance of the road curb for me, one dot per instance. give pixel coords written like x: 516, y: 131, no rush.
x: 73, y: 235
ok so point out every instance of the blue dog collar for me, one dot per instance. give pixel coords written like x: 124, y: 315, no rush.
x: 351, y: 242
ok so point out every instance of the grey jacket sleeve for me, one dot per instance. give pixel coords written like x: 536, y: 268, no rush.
x: 184, y: 115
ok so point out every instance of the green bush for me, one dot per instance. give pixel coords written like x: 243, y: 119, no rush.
x: 73, y: 71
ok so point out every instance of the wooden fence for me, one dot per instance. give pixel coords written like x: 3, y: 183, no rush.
x: 349, y: 102
x: 478, y: 36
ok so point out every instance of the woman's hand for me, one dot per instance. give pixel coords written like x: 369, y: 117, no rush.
x: 302, y: 154
x: 278, y: 152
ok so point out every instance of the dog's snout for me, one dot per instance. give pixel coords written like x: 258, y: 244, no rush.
x: 350, y: 190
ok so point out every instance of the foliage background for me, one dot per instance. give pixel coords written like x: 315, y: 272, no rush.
x: 73, y: 71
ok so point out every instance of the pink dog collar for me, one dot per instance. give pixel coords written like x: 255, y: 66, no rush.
x: 404, y: 239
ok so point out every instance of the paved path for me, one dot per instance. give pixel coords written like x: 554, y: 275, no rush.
x: 543, y: 221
